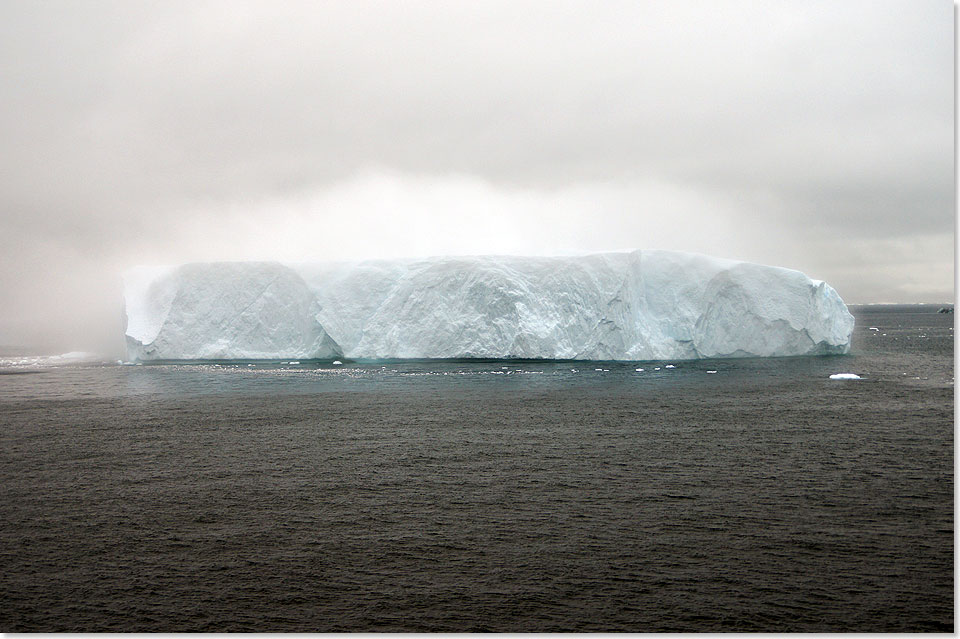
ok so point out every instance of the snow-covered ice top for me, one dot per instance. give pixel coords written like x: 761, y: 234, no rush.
x: 640, y: 305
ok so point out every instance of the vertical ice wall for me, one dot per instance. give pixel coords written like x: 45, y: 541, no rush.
x: 628, y: 306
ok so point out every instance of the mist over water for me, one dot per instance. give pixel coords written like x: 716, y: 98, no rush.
x: 720, y: 495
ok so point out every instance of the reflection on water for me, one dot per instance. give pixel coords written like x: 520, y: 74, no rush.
x: 910, y: 344
x: 413, y: 376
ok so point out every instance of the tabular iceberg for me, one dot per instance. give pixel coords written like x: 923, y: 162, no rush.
x: 640, y: 305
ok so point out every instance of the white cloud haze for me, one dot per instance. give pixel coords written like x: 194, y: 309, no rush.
x: 813, y: 135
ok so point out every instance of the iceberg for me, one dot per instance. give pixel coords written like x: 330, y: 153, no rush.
x: 637, y: 306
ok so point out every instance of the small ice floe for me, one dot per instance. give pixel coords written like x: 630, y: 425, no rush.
x: 337, y: 362
x: 845, y: 376
x: 711, y: 372
x: 639, y: 370
x: 669, y: 366
x: 657, y: 368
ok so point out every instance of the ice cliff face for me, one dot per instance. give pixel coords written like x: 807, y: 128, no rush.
x: 223, y: 311
x: 641, y: 305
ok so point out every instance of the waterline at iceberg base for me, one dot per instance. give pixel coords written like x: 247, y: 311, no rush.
x: 639, y: 305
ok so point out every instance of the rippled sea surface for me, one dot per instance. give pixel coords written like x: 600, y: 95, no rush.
x: 486, y: 495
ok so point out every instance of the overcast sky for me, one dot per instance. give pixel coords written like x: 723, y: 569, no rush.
x: 812, y: 135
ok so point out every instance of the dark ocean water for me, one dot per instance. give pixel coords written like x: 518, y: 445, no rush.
x: 508, y: 496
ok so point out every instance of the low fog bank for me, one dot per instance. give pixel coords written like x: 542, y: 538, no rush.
x: 60, y: 298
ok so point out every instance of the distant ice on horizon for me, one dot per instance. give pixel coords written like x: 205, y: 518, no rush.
x: 73, y: 357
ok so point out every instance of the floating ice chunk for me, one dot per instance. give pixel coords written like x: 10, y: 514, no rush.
x: 845, y: 376
x: 657, y: 368
x: 711, y: 372
x: 669, y: 366
x: 633, y: 306
x: 639, y: 370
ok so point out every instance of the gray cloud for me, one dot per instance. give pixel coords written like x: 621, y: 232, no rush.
x: 815, y: 135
